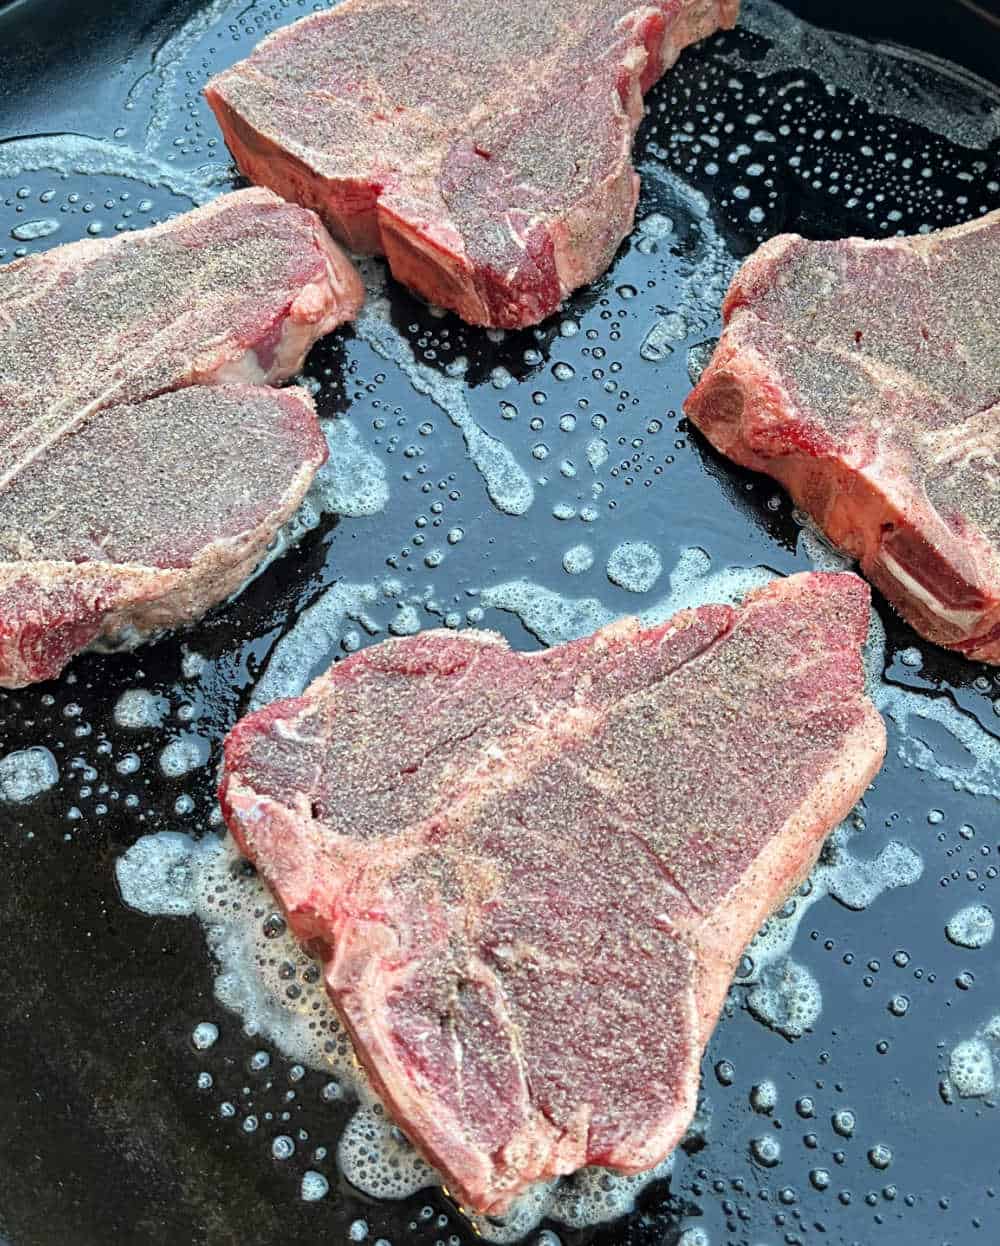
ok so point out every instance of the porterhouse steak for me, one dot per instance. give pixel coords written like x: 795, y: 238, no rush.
x: 144, y: 464
x: 865, y: 376
x: 485, y: 150
x: 531, y: 875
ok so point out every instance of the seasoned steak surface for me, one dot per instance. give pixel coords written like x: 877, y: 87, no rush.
x: 533, y: 874
x: 485, y: 152
x: 865, y: 376
x: 144, y: 464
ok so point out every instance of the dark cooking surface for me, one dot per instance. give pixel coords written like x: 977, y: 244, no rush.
x: 104, y: 1136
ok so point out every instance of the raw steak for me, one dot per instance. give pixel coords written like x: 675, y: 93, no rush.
x: 531, y: 875
x: 486, y: 152
x: 865, y: 376
x: 128, y: 501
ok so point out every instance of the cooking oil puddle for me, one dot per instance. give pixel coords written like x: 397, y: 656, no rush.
x: 261, y: 974
x: 161, y: 79
x: 905, y: 90
x: 507, y: 484
x: 70, y: 154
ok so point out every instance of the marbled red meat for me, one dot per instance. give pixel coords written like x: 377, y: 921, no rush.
x: 485, y: 152
x: 144, y: 464
x: 865, y: 376
x: 531, y: 875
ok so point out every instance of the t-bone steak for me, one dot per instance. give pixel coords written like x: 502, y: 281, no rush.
x: 531, y: 875
x: 485, y: 150
x: 144, y: 464
x: 865, y: 376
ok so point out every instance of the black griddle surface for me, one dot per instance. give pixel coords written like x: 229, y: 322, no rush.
x: 104, y: 1135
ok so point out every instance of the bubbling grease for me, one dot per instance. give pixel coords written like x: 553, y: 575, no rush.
x: 179, y: 875
x: 170, y: 874
x: 971, y: 927
x: 507, y: 484
x: 27, y: 773
x: 634, y: 566
x: 138, y: 709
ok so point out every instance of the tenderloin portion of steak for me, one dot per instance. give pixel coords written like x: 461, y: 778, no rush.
x: 865, y: 376
x: 531, y: 875
x: 486, y: 152
x: 133, y: 494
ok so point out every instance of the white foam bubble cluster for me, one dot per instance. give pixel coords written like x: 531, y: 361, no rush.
x: 261, y: 972
x: 182, y: 755
x: 577, y: 559
x: 204, y: 1035
x: 590, y: 1196
x: 32, y: 231
x: 138, y: 710
x: 314, y: 1187
x: 157, y: 874
x: 764, y: 1097
x: 784, y: 994
x: 597, y: 452
x: 550, y: 616
x: 555, y: 618
x: 313, y: 640
x: 27, y: 773
x: 406, y: 621
x: 593, y: 1195
x: 787, y: 998
x: 192, y: 663
x: 926, y: 723
x: 76, y: 153
x: 326, y: 630
x: 706, y: 271
x: 353, y: 480
x: 693, y: 583
x: 971, y: 927
x: 855, y: 882
x: 171, y: 874
x: 634, y: 566
x: 971, y: 1069
x: 698, y: 358
x: 375, y: 1157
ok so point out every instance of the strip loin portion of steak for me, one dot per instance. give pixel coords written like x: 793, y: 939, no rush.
x: 486, y: 152
x: 144, y: 464
x: 865, y: 376
x: 532, y: 875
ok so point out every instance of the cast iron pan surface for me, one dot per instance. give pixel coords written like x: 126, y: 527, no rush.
x: 110, y: 1130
